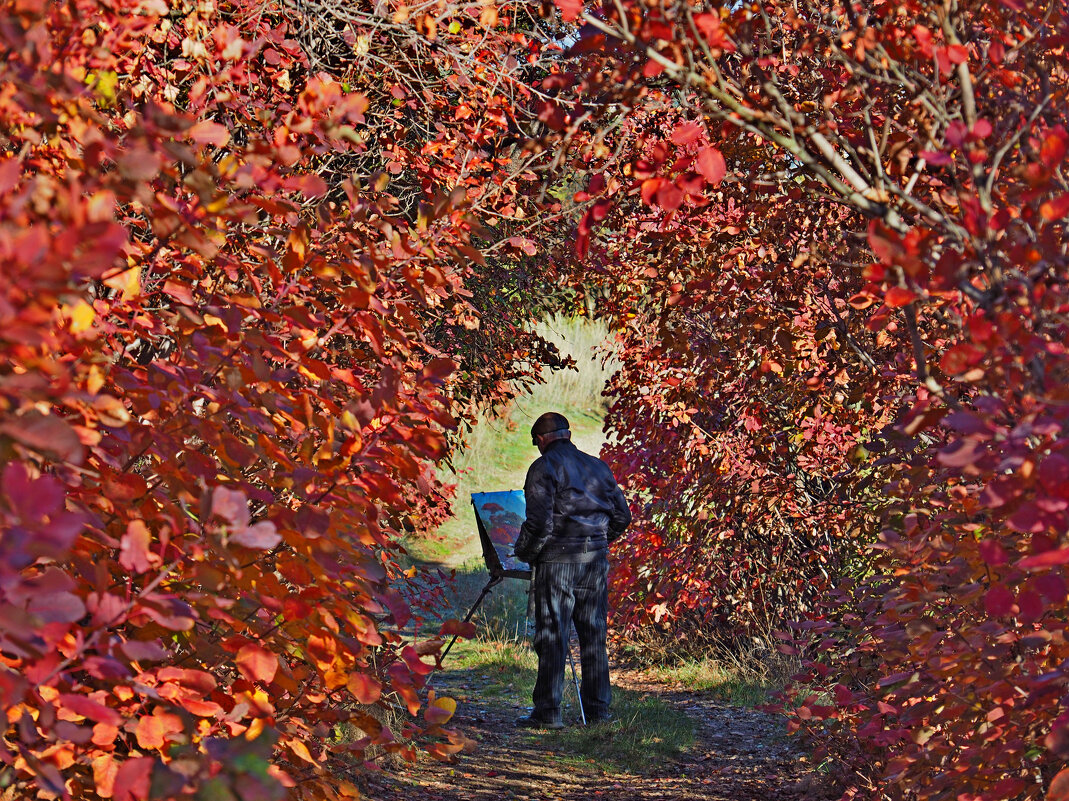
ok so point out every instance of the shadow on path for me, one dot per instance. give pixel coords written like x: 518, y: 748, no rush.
x: 739, y: 754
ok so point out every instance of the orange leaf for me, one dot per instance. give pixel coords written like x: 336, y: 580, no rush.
x: 152, y: 730
x: 440, y: 710
x: 649, y: 189
x: 300, y: 750
x: 256, y: 663
x: 105, y: 769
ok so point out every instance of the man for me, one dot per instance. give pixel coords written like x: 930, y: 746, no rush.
x: 574, y: 510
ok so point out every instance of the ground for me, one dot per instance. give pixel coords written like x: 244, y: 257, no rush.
x: 738, y: 754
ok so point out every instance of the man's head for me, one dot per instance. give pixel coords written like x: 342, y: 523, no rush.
x: 549, y: 428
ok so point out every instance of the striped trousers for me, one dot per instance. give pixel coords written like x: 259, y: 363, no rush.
x: 564, y: 593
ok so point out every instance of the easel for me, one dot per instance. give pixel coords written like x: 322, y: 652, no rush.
x: 498, y: 573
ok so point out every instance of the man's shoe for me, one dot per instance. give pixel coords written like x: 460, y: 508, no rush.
x: 531, y: 722
x: 606, y: 718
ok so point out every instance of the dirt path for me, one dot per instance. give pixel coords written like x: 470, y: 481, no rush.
x: 739, y: 755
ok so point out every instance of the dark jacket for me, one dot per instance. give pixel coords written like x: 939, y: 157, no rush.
x: 574, y: 507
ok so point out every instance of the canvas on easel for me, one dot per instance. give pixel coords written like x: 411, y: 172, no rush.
x: 499, y: 516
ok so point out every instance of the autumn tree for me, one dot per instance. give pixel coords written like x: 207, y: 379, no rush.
x: 245, y: 251
x: 840, y: 234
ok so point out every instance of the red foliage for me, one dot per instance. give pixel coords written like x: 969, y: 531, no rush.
x: 239, y: 280
x: 853, y: 337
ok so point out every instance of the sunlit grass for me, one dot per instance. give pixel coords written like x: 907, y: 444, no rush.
x: 498, y: 450
x: 737, y: 685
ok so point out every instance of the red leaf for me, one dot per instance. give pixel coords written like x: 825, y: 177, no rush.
x: 711, y: 165
x: 311, y: 186
x: 415, y: 664
x: 1059, y: 556
x: 884, y: 242
x: 1030, y: 606
x: 957, y: 54
x: 998, y: 601
x: 364, y: 688
x: 897, y: 297
x: 1027, y: 520
x: 569, y: 9
x: 179, y: 291
x: 965, y: 422
x: 256, y: 663
x: 709, y: 27
x: 1054, y: 475
x: 88, y: 708
x: 961, y: 453
x: 687, y: 132
x: 194, y: 679
x: 398, y: 607
x: 10, y: 172
x: 669, y: 196
x: 139, y: 164
x: 231, y: 505
x: 132, y: 779
x: 1054, y: 148
x: 993, y: 553
x: 31, y: 498
x: 552, y: 115
x: 960, y: 358
x: 45, y: 433
x: 1050, y: 586
x: 652, y: 69
x: 438, y: 370
x: 456, y: 627
x: 524, y: 244
x: 1057, y: 739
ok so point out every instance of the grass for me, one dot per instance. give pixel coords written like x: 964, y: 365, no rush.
x: 740, y: 685
x: 645, y: 732
x: 503, y: 613
x: 498, y: 450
